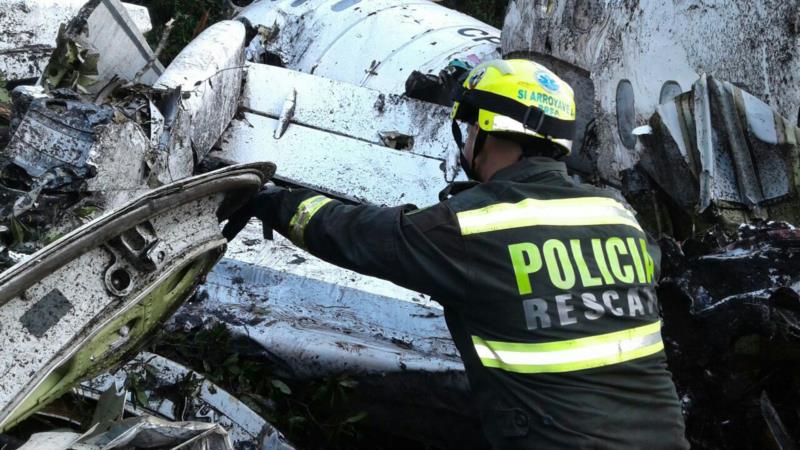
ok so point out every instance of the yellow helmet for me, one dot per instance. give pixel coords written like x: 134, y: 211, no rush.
x: 517, y: 97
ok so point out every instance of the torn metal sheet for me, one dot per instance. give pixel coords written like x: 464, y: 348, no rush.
x: 718, y: 145
x: 209, y: 73
x: 623, y: 59
x: 30, y: 29
x: 98, y: 49
x: 348, y: 40
x: 732, y: 329
x: 138, y: 433
x: 174, y: 392
x: 76, y: 307
x: 56, y: 132
x: 68, y: 159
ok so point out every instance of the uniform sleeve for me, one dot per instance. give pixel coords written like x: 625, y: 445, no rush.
x: 421, y: 250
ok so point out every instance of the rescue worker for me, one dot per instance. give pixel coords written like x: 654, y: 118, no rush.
x: 547, y: 284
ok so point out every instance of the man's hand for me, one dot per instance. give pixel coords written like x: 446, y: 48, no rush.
x: 259, y: 207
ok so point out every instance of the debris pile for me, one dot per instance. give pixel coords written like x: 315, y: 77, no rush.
x: 58, y: 170
x: 109, y: 123
x: 732, y: 326
x: 137, y: 433
x: 154, y: 385
x: 83, y: 141
x: 95, y: 160
x: 30, y: 29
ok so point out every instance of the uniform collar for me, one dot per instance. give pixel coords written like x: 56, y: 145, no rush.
x: 531, y: 168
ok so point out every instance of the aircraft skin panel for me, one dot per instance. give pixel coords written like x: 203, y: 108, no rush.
x: 349, y: 110
x: 376, y: 43
x: 336, y: 164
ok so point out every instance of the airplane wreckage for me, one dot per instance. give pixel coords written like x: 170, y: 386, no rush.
x: 116, y: 171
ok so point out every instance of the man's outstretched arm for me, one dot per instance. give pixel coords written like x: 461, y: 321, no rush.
x: 420, y: 250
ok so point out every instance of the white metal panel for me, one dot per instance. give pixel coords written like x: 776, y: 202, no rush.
x: 30, y: 27
x: 281, y: 255
x: 361, y: 42
x: 317, y: 319
x: 466, y: 51
x: 87, y: 298
x: 388, y: 34
x: 36, y: 22
x: 51, y: 440
x: 334, y: 163
x: 349, y: 110
x: 124, y: 50
x: 209, y: 72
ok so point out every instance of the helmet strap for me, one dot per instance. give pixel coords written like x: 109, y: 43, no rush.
x: 480, y: 139
x: 477, y: 147
x: 459, y: 138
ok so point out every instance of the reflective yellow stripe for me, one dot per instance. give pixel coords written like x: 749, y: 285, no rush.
x: 560, y: 212
x: 305, y: 211
x: 572, y: 355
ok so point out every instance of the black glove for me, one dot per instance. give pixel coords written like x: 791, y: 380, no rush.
x: 260, y: 206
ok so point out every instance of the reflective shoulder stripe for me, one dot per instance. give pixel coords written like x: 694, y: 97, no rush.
x: 559, y: 212
x: 305, y: 211
x: 572, y: 355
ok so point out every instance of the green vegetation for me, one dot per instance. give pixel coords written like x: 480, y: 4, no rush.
x: 191, y: 18
x: 489, y: 11
x: 319, y: 413
x: 4, y: 96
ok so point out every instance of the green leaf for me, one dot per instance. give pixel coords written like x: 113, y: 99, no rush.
x: 140, y: 395
x: 281, y: 386
x: 4, y: 97
x: 320, y: 392
x: 86, y: 212
x: 151, y: 370
x: 297, y: 420
x: 348, y: 383
x: 51, y: 236
x: 18, y: 231
x: 357, y: 418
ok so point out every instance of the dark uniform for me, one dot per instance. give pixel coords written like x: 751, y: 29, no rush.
x: 548, y: 291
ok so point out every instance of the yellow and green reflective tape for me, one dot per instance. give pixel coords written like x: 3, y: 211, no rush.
x: 571, y: 355
x: 530, y: 212
x: 305, y: 211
